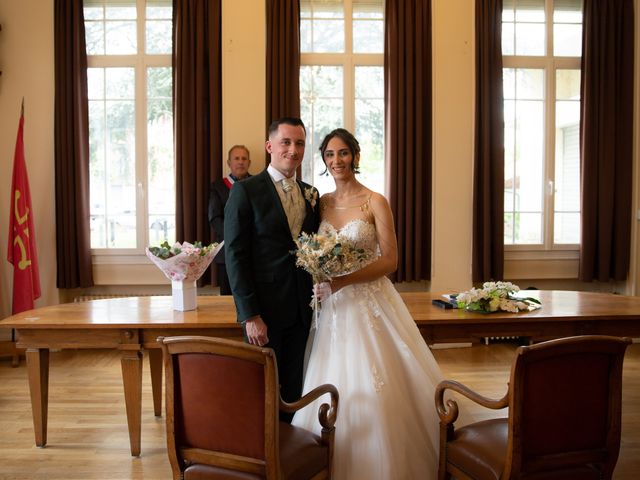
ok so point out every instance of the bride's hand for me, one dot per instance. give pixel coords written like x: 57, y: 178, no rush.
x: 322, y: 290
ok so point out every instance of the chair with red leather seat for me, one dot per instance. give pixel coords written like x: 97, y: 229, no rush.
x: 222, y: 403
x: 564, y: 398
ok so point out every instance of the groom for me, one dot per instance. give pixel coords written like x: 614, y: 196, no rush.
x: 263, y: 216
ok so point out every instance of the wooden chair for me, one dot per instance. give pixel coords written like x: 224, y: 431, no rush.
x: 222, y: 403
x: 564, y: 399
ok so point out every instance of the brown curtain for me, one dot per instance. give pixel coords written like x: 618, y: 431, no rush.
x: 488, y: 171
x: 197, y: 84
x: 71, y: 138
x: 407, y: 83
x: 283, y: 59
x: 606, y: 139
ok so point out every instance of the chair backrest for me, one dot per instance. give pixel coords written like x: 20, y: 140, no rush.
x: 565, y: 408
x: 222, y: 404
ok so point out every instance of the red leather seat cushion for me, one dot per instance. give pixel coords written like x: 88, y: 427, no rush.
x: 301, y: 456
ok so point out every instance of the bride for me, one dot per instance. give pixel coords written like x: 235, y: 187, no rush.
x: 366, y: 342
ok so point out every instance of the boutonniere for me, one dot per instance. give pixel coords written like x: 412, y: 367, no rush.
x: 311, y: 195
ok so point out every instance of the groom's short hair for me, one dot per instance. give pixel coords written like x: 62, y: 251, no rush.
x: 293, y: 121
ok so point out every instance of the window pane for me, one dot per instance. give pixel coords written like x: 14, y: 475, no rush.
x: 529, y: 84
x: 121, y: 38
x: 94, y: 37
x: 97, y: 178
x: 158, y: 37
x: 524, y: 155
x: 528, y: 228
x: 532, y: 165
x: 158, y: 27
x: 567, y: 11
x: 530, y: 39
x: 93, y: 12
x: 567, y: 40
x: 120, y: 12
x: 369, y: 112
x: 321, y: 105
x: 529, y: 10
x: 321, y: 26
x: 368, y: 36
x: 508, y: 38
x: 567, y: 158
x: 160, y: 159
x: 566, y: 228
x: 568, y: 84
x: 529, y: 155
x: 368, y: 26
x: 112, y: 157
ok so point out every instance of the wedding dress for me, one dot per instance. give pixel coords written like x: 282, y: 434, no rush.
x: 367, y: 344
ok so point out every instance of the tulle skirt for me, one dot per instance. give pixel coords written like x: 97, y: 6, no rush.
x: 366, y: 343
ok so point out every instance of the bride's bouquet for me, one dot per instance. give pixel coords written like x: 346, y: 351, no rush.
x: 326, y: 256
x: 183, y: 264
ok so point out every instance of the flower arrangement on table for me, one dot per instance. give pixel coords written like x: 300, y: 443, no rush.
x: 183, y: 264
x: 496, y: 296
x: 325, y: 256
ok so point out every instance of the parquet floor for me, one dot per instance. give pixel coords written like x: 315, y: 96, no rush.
x: 87, y: 435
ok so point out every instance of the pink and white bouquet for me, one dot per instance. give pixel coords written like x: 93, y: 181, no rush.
x: 184, y: 262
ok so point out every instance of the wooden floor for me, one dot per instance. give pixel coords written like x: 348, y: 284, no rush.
x: 87, y: 436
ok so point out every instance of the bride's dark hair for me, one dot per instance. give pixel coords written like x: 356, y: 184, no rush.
x: 346, y: 137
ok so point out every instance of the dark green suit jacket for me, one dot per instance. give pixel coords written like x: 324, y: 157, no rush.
x: 258, y: 250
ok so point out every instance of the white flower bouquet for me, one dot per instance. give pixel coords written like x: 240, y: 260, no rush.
x: 183, y: 264
x: 326, y: 256
x: 496, y: 296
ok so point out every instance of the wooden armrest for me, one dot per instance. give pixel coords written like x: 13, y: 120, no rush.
x: 326, y: 414
x: 450, y: 414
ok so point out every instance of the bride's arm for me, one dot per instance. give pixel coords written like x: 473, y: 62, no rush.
x: 387, y: 262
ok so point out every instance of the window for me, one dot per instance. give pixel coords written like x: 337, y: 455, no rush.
x: 541, y: 46
x: 132, y: 186
x: 342, y: 82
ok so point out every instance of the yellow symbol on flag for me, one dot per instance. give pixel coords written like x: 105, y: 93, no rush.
x: 24, y: 261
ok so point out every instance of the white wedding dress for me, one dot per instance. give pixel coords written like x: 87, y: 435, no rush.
x: 367, y: 344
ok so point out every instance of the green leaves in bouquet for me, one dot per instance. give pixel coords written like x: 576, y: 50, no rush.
x: 165, y: 250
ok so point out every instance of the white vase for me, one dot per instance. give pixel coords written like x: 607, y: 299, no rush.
x: 184, y: 295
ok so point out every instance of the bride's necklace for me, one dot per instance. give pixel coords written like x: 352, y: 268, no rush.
x: 362, y: 206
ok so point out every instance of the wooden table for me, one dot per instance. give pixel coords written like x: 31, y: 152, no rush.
x: 133, y: 324
x: 563, y: 314
x: 127, y: 324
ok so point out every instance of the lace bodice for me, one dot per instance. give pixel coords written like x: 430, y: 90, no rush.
x: 360, y: 233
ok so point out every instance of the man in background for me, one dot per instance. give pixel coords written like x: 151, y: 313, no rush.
x: 239, y: 160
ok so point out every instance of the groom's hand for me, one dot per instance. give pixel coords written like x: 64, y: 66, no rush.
x: 256, y: 331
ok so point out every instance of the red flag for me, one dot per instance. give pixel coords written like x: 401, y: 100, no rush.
x: 22, y: 241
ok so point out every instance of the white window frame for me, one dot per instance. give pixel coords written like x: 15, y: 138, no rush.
x: 113, y: 266
x: 348, y: 61
x: 546, y: 260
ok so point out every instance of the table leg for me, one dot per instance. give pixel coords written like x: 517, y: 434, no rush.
x: 38, y: 373
x: 132, y: 379
x: 155, y: 365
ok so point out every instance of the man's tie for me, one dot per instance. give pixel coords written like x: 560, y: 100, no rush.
x: 288, y: 184
x: 293, y: 205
